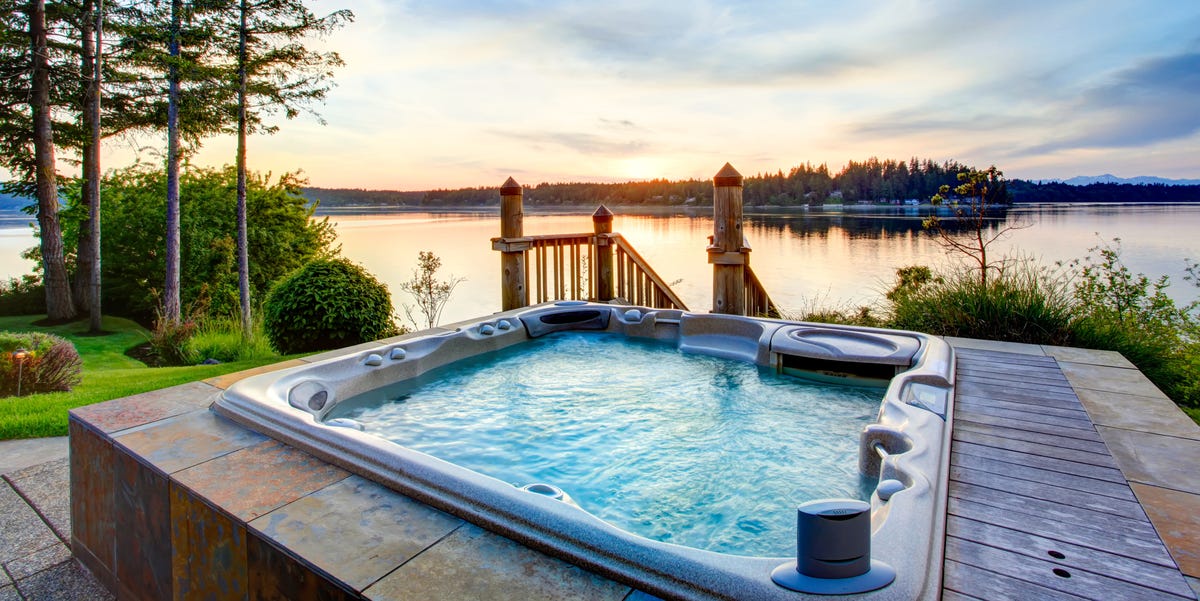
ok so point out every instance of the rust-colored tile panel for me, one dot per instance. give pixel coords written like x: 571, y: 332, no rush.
x: 258, y: 479
x: 356, y: 530
x: 93, y: 480
x: 228, y: 380
x: 473, y: 563
x: 142, y: 513
x: 274, y: 576
x: 186, y: 440
x: 1176, y: 516
x: 209, y: 551
x: 130, y: 411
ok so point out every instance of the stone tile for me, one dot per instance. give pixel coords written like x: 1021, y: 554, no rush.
x: 1108, y: 379
x: 93, y: 482
x: 17, y: 455
x: 46, y: 486
x: 21, y: 530
x: 259, y: 479
x: 1195, y: 584
x: 9, y: 593
x: 38, y: 561
x: 475, y: 564
x: 1156, y: 414
x: 130, y: 411
x: 276, y: 576
x: 350, y: 350
x: 209, y: 551
x: 4, y: 579
x: 1164, y: 461
x: 1088, y: 356
x: 1176, y: 516
x: 356, y: 530
x: 227, y: 380
x: 65, y: 582
x: 142, y: 555
x: 994, y: 345
x: 186, y: 440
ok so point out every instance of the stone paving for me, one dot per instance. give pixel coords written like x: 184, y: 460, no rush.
x: 35, y: 515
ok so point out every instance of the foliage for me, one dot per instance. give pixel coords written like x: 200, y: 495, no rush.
x: 1023, y: 304
x: 429, y: 292
x: 978, y: 192
x: 282, y: 237
x: 872, y: 180
x: 326, y: 304
x: 22, y: 296
x: 1132, y: 314
x: 169, y: 341
x: 221, y: 339
x: 108, y: 373
x: 45, y: 363
x: 1023, y: 191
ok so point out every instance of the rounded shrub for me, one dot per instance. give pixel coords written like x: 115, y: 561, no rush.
x: 32, y: 362
x: 327, y: 304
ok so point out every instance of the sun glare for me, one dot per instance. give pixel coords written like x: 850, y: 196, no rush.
x: 639, y: 168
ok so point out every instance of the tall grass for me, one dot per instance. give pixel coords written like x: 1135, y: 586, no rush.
x: 1025, y: 303
x: 221, y: 338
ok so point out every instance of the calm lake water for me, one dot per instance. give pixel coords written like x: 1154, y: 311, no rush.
x: 830, y: 257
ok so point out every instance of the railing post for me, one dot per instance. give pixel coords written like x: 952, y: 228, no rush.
x: 512, y: 246
x: 602, y: 221
x: 727, y: 253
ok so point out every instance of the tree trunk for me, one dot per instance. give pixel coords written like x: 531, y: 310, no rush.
x: 243, y: 252
x: 93, y: 177
x: 171, y: 301
x: 84, y: 248
x: 58, y: 287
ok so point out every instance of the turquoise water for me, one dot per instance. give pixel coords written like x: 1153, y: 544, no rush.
x: 685, y: 449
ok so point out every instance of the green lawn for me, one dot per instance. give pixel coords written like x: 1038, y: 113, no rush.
x: 107, y: 374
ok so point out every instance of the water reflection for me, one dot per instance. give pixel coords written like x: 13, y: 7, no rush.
x: 804, y: 258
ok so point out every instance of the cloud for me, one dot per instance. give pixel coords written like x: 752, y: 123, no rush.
x: 581, y: 142
x: 1152, y: 101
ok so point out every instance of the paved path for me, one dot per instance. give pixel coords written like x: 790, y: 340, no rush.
x: 35, y: 525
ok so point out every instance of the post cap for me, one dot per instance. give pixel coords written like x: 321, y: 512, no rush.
x: 510, y: 187
x: 727, y: 176
x: 602, y: 214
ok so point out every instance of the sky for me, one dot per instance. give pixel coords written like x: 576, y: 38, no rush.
x: 455, y: 93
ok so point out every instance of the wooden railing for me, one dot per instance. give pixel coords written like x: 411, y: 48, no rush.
x: 568, y: 267
x: 758, y: 302
x: 637, y: 282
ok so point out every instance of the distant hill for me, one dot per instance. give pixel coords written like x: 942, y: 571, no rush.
x: 12, y: 203
x: 1108, y: 178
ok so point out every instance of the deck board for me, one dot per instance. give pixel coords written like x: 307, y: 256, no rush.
x: 1038, y: 508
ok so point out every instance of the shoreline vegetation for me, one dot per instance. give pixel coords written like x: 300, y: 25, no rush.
x: 872, y: 182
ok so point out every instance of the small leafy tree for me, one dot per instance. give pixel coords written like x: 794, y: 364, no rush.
x: 978, y: 192
x: 429, y: 292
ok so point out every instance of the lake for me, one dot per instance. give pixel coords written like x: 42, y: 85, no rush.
x: 840, y: 257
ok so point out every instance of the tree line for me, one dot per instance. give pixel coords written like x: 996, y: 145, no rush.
x: 1023, y: 191
x: 78, y: 72
x: 865, y: 181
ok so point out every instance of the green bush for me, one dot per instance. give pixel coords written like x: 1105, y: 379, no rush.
x: 1132, y: 314
x: 48, y: 364
x: 328, y: 303
x: 23, y: 296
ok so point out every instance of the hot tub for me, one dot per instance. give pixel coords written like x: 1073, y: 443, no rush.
x: 904, y: 448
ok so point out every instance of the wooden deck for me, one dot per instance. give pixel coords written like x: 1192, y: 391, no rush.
x: 1039, y: 508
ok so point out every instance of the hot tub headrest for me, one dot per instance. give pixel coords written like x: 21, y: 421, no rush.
x: 559, y: 317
